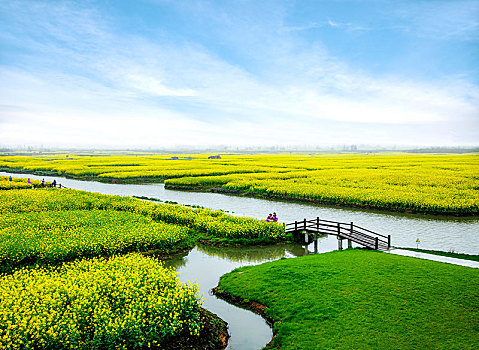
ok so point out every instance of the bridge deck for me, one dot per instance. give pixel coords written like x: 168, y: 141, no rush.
x: 357, y: 234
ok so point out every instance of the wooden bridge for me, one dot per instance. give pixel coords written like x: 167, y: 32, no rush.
x: 353, y: 233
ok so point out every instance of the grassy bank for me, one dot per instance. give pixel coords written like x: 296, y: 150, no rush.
x: 361, y: 299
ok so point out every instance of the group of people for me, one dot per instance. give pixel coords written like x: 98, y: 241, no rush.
x: 272, y: 218
x: 54, y: 182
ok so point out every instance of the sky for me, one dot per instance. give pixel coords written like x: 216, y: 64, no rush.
x: 171, y: 73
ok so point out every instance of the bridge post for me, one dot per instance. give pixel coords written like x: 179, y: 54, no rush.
x: 304, y: 224
x: 340, y: 243
x: 296, y: 226
x: 389, y: 241
x: 376, y: 243
x: 317, y: 224
x: 339, y: 229
x: 351, y: 229
x: 316, y: 245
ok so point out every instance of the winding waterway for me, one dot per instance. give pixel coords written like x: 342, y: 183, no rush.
x: 207, y: 264
x: 458, y: 234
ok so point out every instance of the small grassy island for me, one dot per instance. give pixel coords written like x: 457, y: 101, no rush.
x: 357, y: 299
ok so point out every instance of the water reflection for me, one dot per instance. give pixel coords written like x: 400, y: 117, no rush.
x: 177, y: 261
x: 248, y: 254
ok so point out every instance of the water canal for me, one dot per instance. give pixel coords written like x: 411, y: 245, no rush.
x: 207, y: 264
x: 458, y: 234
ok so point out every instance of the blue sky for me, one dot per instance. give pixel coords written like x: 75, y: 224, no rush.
x: 160, y: 73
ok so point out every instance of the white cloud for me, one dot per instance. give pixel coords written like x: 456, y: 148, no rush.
x: 316, y: 25
x: 153, y: 86
x: 332, y: 24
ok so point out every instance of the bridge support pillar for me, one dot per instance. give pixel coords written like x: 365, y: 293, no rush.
x: 350, y: 243
x: 315, y: 244
x: 340, y: 243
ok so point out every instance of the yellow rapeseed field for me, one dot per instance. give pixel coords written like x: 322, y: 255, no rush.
x: 56, y: 236
x: 125, y: 302
x: 48, y: 225
x: 17, y: 183
x: 440, y: 184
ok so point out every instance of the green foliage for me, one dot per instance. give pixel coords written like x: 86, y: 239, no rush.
x: 128, y: 302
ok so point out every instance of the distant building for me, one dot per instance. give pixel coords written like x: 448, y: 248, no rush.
x: 214, y: 157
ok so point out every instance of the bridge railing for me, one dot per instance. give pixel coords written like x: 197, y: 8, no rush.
x: 344, y: 230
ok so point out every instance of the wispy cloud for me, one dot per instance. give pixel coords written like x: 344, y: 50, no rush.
x: 329, y: 23
x: 332, y: 24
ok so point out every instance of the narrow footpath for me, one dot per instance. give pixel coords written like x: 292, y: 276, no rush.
x: 445, y: 259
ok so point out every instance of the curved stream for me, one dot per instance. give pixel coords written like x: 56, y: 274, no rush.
x: 206, y: 264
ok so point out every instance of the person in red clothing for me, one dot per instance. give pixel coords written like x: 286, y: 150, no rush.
x: 275, y: 218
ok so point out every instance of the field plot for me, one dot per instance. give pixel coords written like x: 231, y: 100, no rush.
x: 53, y: 225
x: 126, y: 302
x: 437, y: 184
x: 16, y: 183
x: 52, y: 237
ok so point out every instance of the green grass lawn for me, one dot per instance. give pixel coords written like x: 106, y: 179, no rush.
x: 357, y: 299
